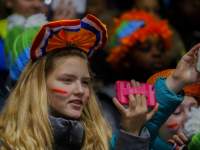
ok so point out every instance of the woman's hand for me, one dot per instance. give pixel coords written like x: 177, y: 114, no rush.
x: 134, y: 117
x: 180, y: 139
x: 185, y: 72
x: 67, y: 13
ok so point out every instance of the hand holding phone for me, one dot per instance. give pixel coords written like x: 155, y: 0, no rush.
x: 122, y: 92
x: 137, y: 114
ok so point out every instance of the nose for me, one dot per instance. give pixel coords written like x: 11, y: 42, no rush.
x: 185, y: 118
x: 78, y: 89
x: 156, y: 52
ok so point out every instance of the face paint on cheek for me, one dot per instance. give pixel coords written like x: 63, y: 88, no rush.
x: 60, y: 93
x: 88, y: 98
x: 172, y: 127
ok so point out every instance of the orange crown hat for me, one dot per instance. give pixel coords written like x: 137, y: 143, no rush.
x: 190, y: 90
x: 88, y: 34
x: 132, y: 27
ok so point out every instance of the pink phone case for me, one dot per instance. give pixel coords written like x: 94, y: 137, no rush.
x: 122, y: 92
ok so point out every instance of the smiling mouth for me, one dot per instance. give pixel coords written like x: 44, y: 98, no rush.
x: 76, y: 102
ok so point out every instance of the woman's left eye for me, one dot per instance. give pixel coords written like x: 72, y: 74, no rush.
x: 85, y: 82
x: 177, y: 113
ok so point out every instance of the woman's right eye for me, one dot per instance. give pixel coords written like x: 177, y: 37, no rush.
x: 66, y: 80
x: 145, y: 48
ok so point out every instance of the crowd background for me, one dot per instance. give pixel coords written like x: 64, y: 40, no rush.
x: 183, y: 17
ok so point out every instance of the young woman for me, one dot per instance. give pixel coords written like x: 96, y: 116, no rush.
x: 53, y: 105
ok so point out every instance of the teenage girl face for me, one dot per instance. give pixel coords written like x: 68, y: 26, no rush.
x: 148, y: 56
x: 68, y: 88
x: 25, y: 7
x: 175, y: 123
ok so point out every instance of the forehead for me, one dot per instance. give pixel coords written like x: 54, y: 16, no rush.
x: 152, y: 40
x: 189, y: 100
x: 71, y: 65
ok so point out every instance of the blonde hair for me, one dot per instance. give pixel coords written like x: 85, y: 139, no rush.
x: 24, y: 121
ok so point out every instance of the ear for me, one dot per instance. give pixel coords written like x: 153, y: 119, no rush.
x: 9, y: 4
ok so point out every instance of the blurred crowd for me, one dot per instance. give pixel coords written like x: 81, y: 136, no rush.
x: 182, y: 16
x: 178, y: 27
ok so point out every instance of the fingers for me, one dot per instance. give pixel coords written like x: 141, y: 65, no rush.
x: 193, y: 50
x: 119, y: 106
x: 183, y: 137
x: 137, y: 100
x: 142, y: 101
x: 72, y: 13
x: 152, y: 112
x: 171, y: 142
x: 131, y: 97
x: 67, y: 8
x: 68, y: 12
x: 59, y: 7
x: 138, y: 96
x: 178, y: 140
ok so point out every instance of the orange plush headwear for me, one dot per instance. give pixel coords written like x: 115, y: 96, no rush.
x: 132, y: 27
x: 190, y: 90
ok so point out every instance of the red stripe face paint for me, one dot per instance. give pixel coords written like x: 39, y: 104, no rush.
x: 60, y: 93
x: 88, y: 98
x: 172, y: 126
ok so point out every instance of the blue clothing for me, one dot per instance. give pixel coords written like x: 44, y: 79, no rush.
x: 3, y: 65
x: 168, y: 101
x: 160, y: 145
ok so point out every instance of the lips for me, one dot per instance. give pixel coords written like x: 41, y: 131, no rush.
x: 158, y: 64
x: 76, y: 103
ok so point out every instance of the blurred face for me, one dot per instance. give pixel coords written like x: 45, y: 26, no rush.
x: 68, y: 87
x: 148, y: 56
x: 150, y: 6
x: 175, y: 123
x: 25, y: 7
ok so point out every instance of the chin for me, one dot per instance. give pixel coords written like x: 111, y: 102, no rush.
x: 156, y: 70
x: 74, y: 116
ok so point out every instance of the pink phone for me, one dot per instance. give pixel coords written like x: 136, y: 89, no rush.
x: 122, y: 92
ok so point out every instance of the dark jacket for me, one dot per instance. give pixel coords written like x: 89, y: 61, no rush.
x: 68, y: 134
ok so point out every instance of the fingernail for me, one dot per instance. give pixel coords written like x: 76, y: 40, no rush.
x: 133, y: 81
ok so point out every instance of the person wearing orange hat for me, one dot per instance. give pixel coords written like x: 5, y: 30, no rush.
x: 176, y: 121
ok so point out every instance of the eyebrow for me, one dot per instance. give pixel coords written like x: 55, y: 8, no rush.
x: 71, y: 75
